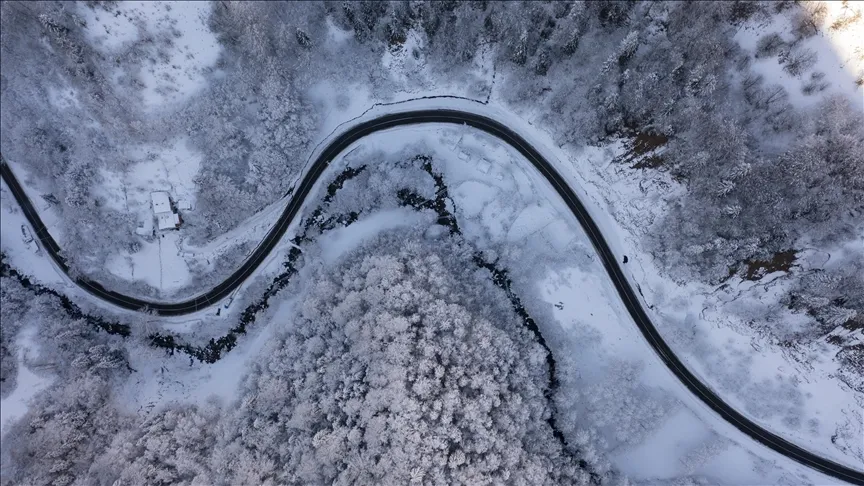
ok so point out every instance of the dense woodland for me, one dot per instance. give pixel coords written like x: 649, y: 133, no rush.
x: 398, y: 367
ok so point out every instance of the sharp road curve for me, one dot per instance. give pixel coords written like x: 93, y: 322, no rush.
x: 509, y: 136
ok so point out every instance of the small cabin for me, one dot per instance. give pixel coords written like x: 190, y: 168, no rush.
x: 166, y: 218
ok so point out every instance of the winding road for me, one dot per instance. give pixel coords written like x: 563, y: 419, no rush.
x: 509, y: 136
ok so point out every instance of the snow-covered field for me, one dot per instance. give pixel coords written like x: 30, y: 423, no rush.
x: 158, y: 262
x: 29, y: 381
x: 21, y: 246
x: 839, y: 54
x: 187, y: 46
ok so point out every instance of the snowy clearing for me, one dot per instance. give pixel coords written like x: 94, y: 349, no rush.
x: 29, y: 383
x: 839, y: 55
x: 22, y: 247
x: 187, y: 48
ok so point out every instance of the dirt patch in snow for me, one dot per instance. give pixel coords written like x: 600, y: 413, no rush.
x: 643, y: 150
x: 645, y: 142
x: 781, y: 262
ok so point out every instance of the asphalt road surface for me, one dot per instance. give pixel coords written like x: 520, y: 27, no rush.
x: 507, y: 135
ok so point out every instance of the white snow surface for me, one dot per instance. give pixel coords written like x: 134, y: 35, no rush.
x: 187, y: 48
x: 28, y: 383
x: 840, y: 54
x: 26, y: 256
x: 340, y: 241
x: 161, y: 381
x: 159, y: 263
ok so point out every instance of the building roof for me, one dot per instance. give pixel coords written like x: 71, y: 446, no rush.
x: 161, y: 202
x: 167, y: 220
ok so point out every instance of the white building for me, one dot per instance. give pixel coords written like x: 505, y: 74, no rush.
x: 166, y: 218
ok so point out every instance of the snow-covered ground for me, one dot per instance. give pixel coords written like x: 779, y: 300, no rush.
x: 184, y: 48
x: 794, y: 392
x: 28, y: 383
x: 21, y: 247
x: 839, y: 53
x: 164, y: 380
x: 159, y: 261
x: 505, y: 206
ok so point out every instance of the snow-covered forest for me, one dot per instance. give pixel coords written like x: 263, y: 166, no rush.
x: 397, y: 367
x: 725, y: 138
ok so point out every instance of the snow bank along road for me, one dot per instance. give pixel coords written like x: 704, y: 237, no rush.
x: 507, y: 135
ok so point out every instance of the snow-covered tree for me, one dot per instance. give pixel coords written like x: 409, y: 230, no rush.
x: 394, y: 372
